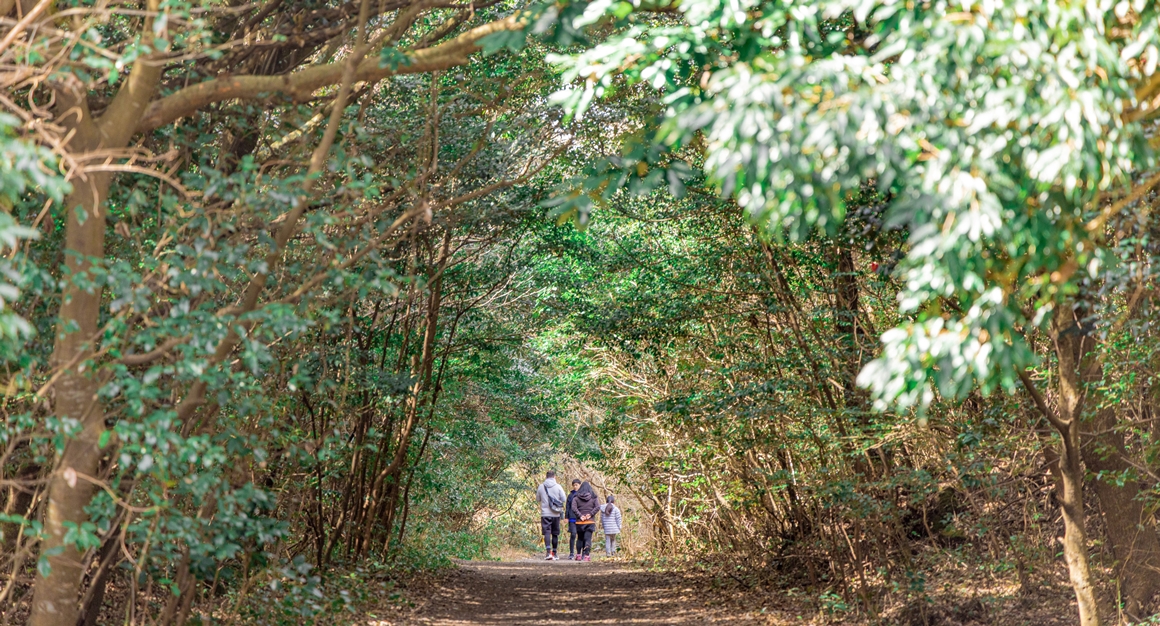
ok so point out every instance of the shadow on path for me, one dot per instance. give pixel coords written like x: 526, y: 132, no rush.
x: 564, y: 592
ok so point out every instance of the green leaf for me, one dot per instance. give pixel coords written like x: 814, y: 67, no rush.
x: 392, y: 58
x: 42, y: 564
x: 513, y: 40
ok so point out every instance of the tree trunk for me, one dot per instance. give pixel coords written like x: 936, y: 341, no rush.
x: 422, y: 390
x: 849, y: 341
x: 56, y: 596
x: 847, y: 330
x: 1075, y: 549
x: 55, y: 600
x: 1130, y: 531
x: 1070, y: 344
x: 1067, y: 469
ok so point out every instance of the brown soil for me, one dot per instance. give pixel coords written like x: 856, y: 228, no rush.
x: 565, y: 592
x: 533, y: 591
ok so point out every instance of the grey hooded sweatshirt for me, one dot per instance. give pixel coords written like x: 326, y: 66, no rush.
x: 549, y: 486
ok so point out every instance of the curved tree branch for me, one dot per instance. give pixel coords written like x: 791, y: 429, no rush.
x: 302, y: 83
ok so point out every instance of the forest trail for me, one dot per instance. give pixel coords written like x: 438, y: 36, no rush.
x: 564, y: 592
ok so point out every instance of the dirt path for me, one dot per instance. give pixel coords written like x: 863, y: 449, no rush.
x: 563, y: 592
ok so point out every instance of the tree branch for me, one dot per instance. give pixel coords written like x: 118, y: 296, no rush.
x: 118, y: 124
x: 304, y: 82
x: 1134, y: 195
x: 1041, y: 403
x: 23, y: 23
x: 154, y: 354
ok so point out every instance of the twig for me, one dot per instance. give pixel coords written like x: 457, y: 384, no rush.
x: 1123, y: 203
x: 22, y: 24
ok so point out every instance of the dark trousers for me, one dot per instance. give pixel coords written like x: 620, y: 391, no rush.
x: 571, y: 537
x: 584, y: 541
x: 551, y: 528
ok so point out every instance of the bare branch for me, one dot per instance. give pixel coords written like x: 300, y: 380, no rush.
x: 1041, y: 403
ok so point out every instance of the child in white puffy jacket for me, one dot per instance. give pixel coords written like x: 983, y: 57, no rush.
x: 610, y: 523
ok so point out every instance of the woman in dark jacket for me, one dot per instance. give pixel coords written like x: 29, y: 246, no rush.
x: 585, y: 504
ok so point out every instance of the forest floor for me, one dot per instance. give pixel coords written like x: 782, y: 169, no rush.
x: 564, y: 592
x: 533, y: 591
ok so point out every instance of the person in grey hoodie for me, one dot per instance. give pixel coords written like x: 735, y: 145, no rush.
x: 610, y: 519
x: 551, y: 498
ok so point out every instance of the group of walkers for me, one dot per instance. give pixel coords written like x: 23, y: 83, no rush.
x: 580, y: 507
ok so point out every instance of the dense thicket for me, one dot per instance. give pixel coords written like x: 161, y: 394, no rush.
x: 845, y: 289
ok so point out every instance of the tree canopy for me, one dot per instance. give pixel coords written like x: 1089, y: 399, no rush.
x: 297, y: 285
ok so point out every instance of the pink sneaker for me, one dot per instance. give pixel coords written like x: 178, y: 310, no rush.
x: 587, y: 558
